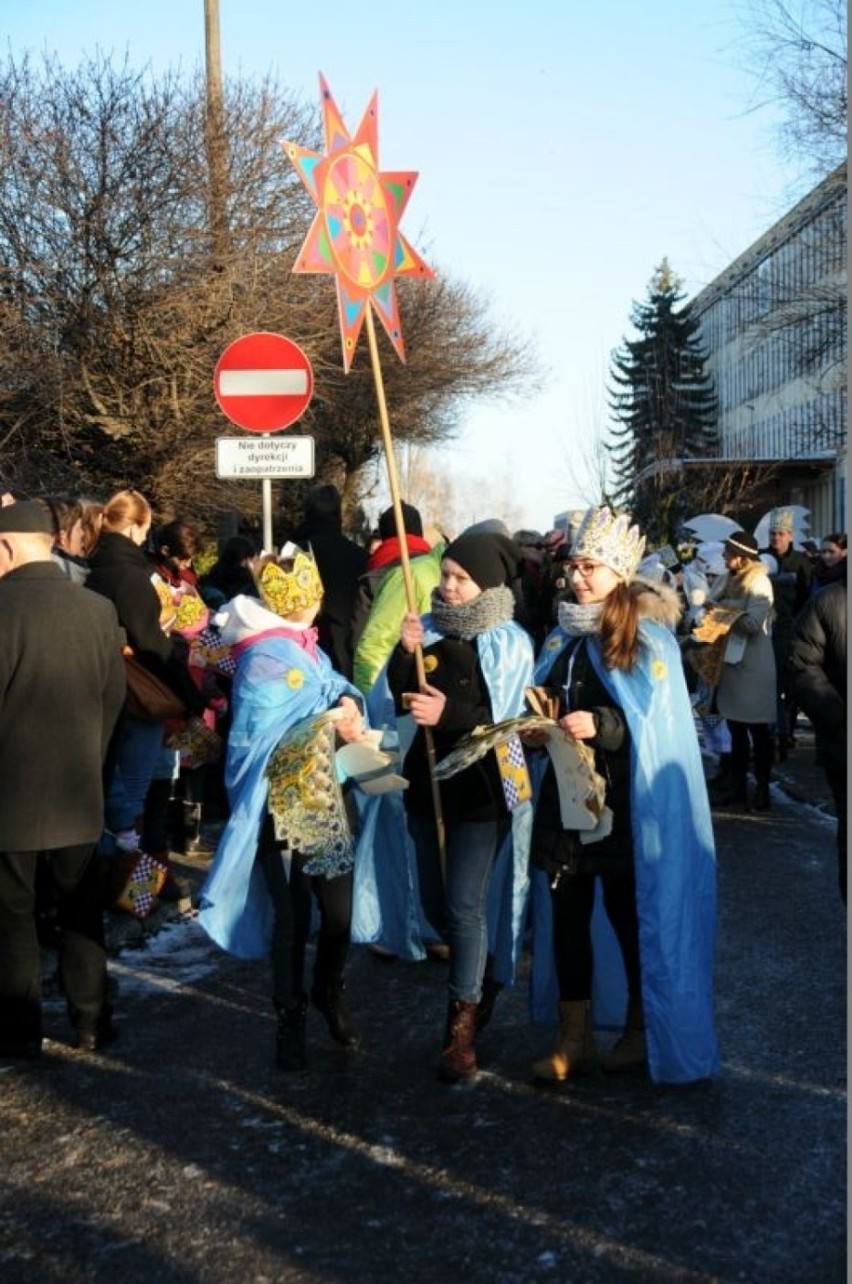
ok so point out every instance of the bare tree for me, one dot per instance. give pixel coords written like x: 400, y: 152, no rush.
x: 116, y: 302
x: 797, y: 53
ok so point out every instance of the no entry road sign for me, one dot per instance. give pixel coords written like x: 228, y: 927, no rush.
x: 263, y: 382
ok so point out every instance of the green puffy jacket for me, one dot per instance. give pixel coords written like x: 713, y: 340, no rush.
x: 381, y: 632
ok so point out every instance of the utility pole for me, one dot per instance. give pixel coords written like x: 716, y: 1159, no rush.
x: 215, y: 134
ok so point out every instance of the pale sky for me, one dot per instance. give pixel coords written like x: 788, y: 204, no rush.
x: 563, y: 150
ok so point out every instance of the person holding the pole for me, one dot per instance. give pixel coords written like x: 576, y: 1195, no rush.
x: 477, y: 663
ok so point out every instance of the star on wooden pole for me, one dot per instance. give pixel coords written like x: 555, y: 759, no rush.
x: 355, y: 233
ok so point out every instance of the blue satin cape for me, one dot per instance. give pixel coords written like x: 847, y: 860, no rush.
x: 276, y: 685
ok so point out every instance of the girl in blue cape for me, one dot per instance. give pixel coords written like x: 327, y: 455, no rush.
x: 615, y: 665
x: 257, y: 899
x: 478, y: 662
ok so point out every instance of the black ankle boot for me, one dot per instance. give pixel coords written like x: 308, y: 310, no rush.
x: 734, y: 794
x: 290, y: 1050
x: 329, y: 1000
x: 762, y: 800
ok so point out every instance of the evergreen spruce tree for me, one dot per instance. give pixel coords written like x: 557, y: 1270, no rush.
x: 665, y: 405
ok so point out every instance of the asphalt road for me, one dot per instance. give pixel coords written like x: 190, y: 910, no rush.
x: 184, y: 1156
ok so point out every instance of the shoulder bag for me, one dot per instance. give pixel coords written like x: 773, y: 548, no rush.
x: 148, y: 697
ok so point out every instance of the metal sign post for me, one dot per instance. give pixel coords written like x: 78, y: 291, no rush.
x: 263, y: 382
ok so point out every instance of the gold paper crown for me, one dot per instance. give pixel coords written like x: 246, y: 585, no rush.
x: 608, y: 537
x: 286, y: 591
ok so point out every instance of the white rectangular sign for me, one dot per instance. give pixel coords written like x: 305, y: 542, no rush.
x: 263, y: 383
x: 262, y: 456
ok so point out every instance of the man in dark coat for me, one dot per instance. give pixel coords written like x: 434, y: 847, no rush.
x: 61, y: 689
x: 341, y: 561
x: 818, y: 679
x: 791, y: 586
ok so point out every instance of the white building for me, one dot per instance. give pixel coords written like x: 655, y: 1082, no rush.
x: 774, y: 327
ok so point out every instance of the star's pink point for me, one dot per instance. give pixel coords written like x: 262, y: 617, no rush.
x: 355, y: 233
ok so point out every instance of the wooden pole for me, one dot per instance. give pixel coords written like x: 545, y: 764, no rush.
x: 405, y: 563
x: 215, y: 135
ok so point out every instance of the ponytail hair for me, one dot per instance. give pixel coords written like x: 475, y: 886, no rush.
x: 126, y: 508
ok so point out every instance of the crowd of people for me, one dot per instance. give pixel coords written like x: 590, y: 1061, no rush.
x: 396, y: 734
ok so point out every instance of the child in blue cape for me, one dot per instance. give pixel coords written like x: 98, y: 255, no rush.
x: 257, y: 899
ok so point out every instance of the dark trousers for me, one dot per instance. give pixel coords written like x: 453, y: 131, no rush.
x: 292, y: 892
x: 745, y: 737
x: 835, y: 775
x: 73, y: 876
x: 573, y: 901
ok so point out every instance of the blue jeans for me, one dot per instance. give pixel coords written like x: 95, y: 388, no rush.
x: 136, y: 758
x: 471, y: 849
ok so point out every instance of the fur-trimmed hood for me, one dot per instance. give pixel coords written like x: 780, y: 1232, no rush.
x: 753, y: 578
x: 657, y: 601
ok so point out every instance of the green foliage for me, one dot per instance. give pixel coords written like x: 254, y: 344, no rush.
x: 665, y: 409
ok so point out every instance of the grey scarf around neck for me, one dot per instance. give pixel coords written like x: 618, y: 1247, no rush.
x: 493, y: 607
x: 579, y: 620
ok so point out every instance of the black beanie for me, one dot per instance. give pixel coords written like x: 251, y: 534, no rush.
x: 490, y: 560
x: 410, y: 520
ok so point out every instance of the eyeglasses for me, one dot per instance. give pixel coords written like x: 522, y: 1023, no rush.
x: 584, y: 569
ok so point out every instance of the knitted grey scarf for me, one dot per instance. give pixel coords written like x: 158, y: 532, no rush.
x: 493, y: 607
x: 580, y: 619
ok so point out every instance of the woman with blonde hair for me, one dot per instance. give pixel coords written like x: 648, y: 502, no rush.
x: 121, y: 571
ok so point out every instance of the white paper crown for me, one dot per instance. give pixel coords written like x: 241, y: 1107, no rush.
x: 608, y: 537
x: 782, y: 519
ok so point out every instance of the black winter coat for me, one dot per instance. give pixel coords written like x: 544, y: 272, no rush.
x: 121, y: 572
x: 790, y: 585
x: 61, y: 690
x: 818, y: 670
x: 340, y: 562
x: 552, y: 847
x: 452, y: 666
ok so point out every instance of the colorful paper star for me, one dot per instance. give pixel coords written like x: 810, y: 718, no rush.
x: 355, y: 233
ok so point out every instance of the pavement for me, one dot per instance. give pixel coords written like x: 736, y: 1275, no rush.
x: 183, y: 1156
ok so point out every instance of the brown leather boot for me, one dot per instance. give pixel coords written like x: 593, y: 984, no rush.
x: 458, y: 1057
x: 631, y: 1049
x: 575, y: 1051
x: 485, y: 1006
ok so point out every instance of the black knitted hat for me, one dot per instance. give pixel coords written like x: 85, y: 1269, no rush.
x: 490, y: 560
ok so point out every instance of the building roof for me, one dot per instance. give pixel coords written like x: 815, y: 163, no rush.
x: 832, y: 188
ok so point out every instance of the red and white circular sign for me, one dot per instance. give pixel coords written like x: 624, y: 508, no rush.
x: 263, y: 382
